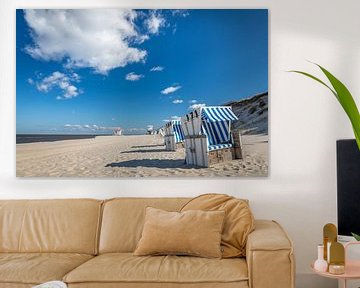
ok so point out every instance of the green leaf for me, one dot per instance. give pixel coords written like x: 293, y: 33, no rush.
x: 314, y: 78
x: 357, y: 137
x: 347, y: 102
x: 344, y: 97
x: 356, y: 236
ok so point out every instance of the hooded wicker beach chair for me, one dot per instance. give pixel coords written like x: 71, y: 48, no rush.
x: 208, y: 137
x: 174, y: 135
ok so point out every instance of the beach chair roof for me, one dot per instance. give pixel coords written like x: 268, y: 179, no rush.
x: 218, y: 113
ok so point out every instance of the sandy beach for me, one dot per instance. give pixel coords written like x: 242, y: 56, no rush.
x: 130, y: 156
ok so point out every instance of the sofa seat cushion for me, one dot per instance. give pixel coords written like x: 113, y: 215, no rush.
x: 36, y: 268
x: 127, y: 268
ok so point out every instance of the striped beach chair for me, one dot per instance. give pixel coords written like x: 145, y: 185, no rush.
x: 208, y: 138
x: 174, y: 135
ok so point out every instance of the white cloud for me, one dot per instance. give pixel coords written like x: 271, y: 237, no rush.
x: 142, y: 39
x: 135, y: 129
x: 101, y: 39
x: 177, y: 101
x: 172, y: 118
x: 102, y: 128
x: 71, y: 91
x: 154, y: 22
x: 150, y: 127
x: 193, y: 101
x: 170, y: 89
x: 157, y: 69
x: 180, y: 12
x: 196, y: 106
x: 89, y: 127
x: 47, y: 83
x: 61, y: 81
x: 76, y: 77
x: 30, y: 81
x: 132, y: 76
x: 73, y: 126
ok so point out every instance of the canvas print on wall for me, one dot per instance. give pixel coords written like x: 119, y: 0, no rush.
x: 139, y: 93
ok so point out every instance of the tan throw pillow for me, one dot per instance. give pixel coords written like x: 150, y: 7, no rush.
x: 239, y: 220
x: 196, y: 233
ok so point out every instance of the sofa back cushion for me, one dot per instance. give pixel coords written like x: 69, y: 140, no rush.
x: 193, y: 233
x: 123, y: 220
x: 66, y: 226
x: 238, y: 224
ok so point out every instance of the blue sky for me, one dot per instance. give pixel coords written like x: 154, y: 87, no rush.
x: 88, y: 71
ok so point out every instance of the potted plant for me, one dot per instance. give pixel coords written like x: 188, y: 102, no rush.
x: 345, y: 99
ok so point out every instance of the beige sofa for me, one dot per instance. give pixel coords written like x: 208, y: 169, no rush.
x: 89, y: 243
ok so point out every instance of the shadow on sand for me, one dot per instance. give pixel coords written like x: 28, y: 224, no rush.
x: 147, y: 146
x: 143, y: 151
x: 153, y: 163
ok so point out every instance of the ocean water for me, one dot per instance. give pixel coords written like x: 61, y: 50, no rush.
x: 32, y: 138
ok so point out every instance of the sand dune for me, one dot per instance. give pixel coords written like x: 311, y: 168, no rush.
x: 130, y: 156
x: 252, y: 113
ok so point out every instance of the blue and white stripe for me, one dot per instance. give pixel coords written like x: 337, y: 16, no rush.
x: 220, y: 146
x: 178, y: 132
x: 216, y: 126
x: 217, y: 132
x: 221, y: 113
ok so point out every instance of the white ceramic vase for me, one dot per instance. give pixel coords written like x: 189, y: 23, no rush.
x: 320, y: 264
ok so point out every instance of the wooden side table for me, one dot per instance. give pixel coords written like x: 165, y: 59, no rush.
x: 352, y: 268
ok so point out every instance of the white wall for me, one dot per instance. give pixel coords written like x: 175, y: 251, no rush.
x: 305, y: 120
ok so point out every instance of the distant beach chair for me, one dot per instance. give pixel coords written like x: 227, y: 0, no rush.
x: 174, y: 135
x: 208, y: 137
x: 117, y: 131
x: 161, y: 131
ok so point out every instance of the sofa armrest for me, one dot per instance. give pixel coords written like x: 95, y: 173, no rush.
x: 269, y: 256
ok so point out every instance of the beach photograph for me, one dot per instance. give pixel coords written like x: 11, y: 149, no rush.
x: 142, y: 93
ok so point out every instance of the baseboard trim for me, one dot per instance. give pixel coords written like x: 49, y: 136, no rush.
x: 310, y: 280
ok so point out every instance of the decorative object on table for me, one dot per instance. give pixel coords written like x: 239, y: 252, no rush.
x: 320, y: 264
x: 334, y: 252
x: 329, y: 236
x: 52, y: 284
x: 336, y: 269
x: 340, y: 267
x: 344, y: 97
x: 337, y: 258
